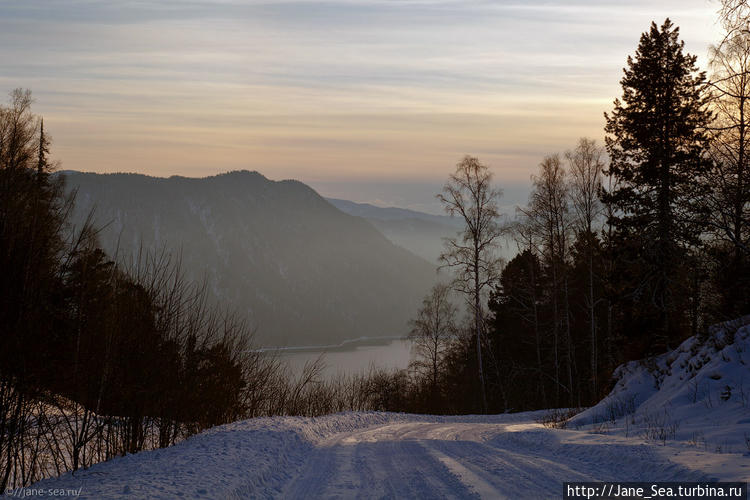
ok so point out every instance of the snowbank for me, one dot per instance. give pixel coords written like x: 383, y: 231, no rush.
x: 228, y: 461
x: 697, y: 395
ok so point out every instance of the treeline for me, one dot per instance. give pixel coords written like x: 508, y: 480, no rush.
x: 96, y: 360
x: 623, y: 251
x: 625, y: 258
x: 99, y: 358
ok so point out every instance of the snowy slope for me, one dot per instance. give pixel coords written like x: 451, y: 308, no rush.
x: 695, y: 399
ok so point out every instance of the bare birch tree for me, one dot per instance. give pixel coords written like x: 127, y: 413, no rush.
x: 471, y: 254
x: 548, y: 216
x: 734, y: 16
x: 725, y: 199
x: 432, y: 332
x: 730, y: 87
x: 585, y: 167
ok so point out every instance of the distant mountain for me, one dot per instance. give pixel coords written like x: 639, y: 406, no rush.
x: 369, y: 211
x: 418, y: 232
x: 303, y: 271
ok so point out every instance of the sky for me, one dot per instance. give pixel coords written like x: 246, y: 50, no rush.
x: 369, y: 100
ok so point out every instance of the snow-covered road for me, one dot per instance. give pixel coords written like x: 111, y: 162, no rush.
x: 418, y: 460
x: 388, y: 455
x: 467, y: 460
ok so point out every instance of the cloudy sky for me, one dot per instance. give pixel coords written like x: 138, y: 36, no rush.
x: 372, y: 100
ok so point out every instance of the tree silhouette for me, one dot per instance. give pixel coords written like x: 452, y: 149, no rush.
x: 432, y: 332
x: 469, y: 194
x: 656, y: 141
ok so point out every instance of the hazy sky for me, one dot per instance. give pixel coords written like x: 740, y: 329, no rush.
x: 350, y: 96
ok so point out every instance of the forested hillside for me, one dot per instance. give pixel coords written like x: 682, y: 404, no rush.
x: 301, y: 271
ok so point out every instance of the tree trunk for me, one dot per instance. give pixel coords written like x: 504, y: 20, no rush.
x: 592, y: 324
x: 537, y: 335
x: 477, y: 326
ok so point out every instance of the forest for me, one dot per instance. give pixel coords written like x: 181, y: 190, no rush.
x: 624, y: 250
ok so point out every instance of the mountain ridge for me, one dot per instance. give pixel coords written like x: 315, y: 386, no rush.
x: 275, y: 251
x: 418, y: 232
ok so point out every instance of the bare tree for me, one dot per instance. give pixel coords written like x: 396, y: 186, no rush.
x: 734, y: 16
x: 432, y: 332
x: 729, y: 200
x: 585, y: 167
x: 17, y: 131
x: 469, y: 193
x: 725, y: 199
x: 585, y: 164
x: 548, y: 217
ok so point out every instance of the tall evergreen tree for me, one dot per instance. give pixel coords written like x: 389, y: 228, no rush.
x: 521, y: 348
x: 656, y: 142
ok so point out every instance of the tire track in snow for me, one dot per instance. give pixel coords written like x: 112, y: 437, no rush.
x: 376, y: 463
x: 368, y: 481
x: 315, y: 475
x: 410, y: 464
x: 512, y: 474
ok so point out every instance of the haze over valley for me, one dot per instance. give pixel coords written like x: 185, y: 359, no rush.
x: 300, y: 270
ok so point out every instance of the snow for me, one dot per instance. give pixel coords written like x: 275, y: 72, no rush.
x: 695, y: 400
x: 384, y: 455
x: 665, y: 420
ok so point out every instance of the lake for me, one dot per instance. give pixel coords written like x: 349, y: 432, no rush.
x: 351, y: 357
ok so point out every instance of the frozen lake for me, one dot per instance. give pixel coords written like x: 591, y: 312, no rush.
x: 351, y: 357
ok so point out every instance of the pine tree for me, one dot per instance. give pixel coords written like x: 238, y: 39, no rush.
x: 518, y: 305
x: 42, y: 164
x: 656, y: 143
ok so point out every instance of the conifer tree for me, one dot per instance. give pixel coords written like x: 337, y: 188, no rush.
x: 657, y: 143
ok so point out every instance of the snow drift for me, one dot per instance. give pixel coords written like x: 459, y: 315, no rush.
x: 698, y: 393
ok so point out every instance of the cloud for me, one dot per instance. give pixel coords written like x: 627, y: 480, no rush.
x: 355, y: 89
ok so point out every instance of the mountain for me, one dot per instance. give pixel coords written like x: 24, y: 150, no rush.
x: 418, y: 232
x: 302, y: 271
x: 373, y: 212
